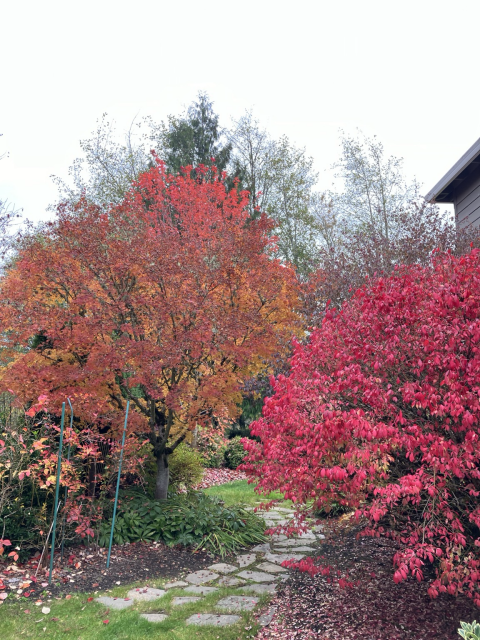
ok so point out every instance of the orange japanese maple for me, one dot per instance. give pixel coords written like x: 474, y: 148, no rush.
x: 170, y: 299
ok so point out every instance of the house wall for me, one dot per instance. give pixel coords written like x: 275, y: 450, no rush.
x: 467, y: 201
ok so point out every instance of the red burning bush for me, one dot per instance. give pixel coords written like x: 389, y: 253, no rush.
x: 381, y: 413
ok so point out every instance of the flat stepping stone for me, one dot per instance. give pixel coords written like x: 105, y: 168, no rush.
x: 265, y: 619
x: 145, y: 594
x: 270, y: 567
x: 154, y: 617
x: 279, y: 537
x: 302, y: 548
x: 175, y: 585
x: 204, y: 619
x: 199, y: 577
x: 229, y: 581
x: 222, y: 567
x: 288, y: 543
x: 255, y: 576
x: 263, y: 548
x: 238, y: 603
x: 115, y: 603
x: 260, y: 588
x: 307, y: 536
x: 180, y: 600
x: 278, y: 558
x: 203, y: 591
x: 318, y: 528
x: 246, y: 559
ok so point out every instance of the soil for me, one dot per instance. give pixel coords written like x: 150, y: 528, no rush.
x: 85, y: 571
x: 373, y: 608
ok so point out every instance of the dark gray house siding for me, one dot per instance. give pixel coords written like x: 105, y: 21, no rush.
x: 461, y: 186
x: 467, y: 201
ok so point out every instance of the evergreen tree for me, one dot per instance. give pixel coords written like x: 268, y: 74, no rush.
x: 196, y: 138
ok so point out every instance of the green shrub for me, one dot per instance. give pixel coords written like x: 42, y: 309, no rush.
x: 187, y: 519
x: 234, y: 453
x: 25, y: 508
x: 212, y: 446
x: 251, y: 409
x: 333, y: 510
x: 470, y: 631
x: 186, y: 468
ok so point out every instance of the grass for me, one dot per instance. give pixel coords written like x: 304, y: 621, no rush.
x: 79, y: 619
x: 240, y: 491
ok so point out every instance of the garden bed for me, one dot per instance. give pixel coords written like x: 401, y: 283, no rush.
x: 374, y: 608
x: 85, y: 571
x: 215, y: 477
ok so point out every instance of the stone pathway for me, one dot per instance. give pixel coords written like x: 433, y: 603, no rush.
x: 258, y: 572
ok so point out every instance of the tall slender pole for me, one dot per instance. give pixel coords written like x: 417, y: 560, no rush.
x: 66, y: 488
x: 118, y: 485
x: 57, y: 492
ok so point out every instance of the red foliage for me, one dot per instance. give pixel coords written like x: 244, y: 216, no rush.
x: 214, y: 477
x: 381, y: 413
x: 171, y: 299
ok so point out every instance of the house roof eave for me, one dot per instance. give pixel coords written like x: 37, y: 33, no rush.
x: 454, y: 173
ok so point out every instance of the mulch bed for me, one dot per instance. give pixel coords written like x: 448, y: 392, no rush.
x: 213, y: 477
x: 85, y: 570
x: 373, y: 609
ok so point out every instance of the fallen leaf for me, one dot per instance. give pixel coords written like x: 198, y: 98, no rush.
x: 45, y: 609
x: 89, y: 599
x: 68, y: 597
x: 3, y: 595
x: 106, y: 621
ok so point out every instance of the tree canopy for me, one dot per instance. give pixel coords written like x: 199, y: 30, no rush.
x: 168, y: 299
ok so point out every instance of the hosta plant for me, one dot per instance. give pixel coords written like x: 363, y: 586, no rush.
x: 469, y: 631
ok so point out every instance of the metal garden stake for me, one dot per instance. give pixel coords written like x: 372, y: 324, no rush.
x: 118, y: 485
x: 66, y: 488
x: 57, y: 491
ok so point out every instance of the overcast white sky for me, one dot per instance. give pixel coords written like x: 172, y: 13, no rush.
x: 406, y: 71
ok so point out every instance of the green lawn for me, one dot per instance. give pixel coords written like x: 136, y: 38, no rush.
x: 241, y: 492
x: 79, y: 619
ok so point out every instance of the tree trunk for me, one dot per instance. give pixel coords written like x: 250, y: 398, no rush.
x: 161, y: 483
x: 195, y: 438
x: 92, y: 478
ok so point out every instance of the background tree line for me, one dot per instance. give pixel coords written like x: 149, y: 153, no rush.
x: 335, y: 238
